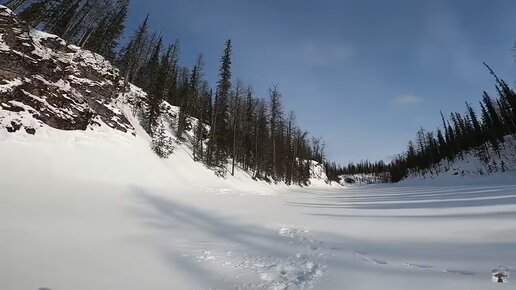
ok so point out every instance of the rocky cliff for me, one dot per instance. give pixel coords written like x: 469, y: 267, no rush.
x: 45, y: 81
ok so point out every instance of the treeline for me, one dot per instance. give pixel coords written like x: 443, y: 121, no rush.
x: 482, y: 132
x: 376, y: 168
x: 234, y: 127
x: 96, y: 25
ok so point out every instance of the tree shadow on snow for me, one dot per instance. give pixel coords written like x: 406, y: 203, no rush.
x: 185, y: 229
x: 191, y: 228
x: 410, y: 199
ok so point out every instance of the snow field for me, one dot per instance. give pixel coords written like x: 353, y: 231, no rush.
x: 99, y: 210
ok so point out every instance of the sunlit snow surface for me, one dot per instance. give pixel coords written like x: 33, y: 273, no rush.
x: 85, y: 211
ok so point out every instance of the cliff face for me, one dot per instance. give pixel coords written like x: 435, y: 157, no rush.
x: 44, y: 80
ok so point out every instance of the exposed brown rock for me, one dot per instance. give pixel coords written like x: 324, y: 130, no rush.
x: 66, y: 87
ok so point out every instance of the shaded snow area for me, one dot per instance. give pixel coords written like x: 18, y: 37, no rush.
x: 97, y: 209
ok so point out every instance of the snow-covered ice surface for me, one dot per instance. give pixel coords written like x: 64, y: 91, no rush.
x: 98, y: 210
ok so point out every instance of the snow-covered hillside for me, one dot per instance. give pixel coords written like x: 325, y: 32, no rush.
x: 46, y: 84
x: 474, y: 167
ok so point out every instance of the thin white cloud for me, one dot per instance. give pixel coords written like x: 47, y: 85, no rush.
x: 406, y: 100
x: 321, y: 53
x: 444, y: 44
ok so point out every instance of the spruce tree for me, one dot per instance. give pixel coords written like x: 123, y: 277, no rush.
x: 190, y: 100
x: 132, y: 53
x: 275, y: 116
x: 61, y: 16
x: 496, y: 122
x: 154, y: 98
x: 34, y: 13
x: 477, y: 129
x: 219, y: 127
x: 104, y: 38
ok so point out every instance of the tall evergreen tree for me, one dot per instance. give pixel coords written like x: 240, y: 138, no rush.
x: 189, y: 104
x: 133, y: 52
x: 275, y: 117
x: 104, y: 38
x: 219, y: 127
x: 154, y: 98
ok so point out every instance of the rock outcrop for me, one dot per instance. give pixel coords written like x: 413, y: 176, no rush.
x: 45, y: 80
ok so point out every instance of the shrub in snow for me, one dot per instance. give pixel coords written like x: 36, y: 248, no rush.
x: 220, y: 171
x: 162, y: 144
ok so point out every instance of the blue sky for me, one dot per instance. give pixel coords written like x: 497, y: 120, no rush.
x: 364, y: 75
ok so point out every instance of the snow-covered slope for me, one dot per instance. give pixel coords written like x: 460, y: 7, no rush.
x: 474, y: 167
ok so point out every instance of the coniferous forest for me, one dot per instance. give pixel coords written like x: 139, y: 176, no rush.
x: 483, y: 132
x: 245, y: 130
x: 252, y: 132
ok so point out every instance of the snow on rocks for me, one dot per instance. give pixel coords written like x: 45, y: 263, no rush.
x: 5, y: 11
x: 66, y: 87
x: 9, y: 85
x: 318, y: 175
x: 3, y: 46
